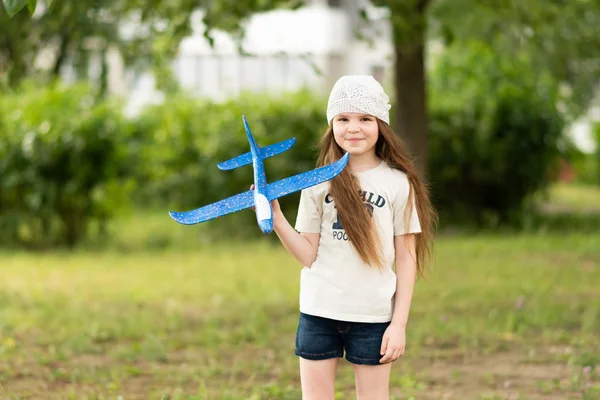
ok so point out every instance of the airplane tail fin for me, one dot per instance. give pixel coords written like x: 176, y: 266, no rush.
x: 264, y: 152
x: 236, y: 162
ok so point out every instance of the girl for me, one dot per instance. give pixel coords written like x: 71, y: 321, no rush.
x: 349, y: 235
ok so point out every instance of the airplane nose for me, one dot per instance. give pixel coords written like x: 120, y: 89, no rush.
x: 266, y: 225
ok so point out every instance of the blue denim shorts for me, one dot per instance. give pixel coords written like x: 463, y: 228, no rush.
x: 321, y: 338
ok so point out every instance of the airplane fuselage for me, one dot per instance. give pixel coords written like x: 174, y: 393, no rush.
x: 263, y: 209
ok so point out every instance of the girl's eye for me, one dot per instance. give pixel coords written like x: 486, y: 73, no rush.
x: 366, y: 119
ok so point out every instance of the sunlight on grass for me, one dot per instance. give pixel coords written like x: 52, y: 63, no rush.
x: 572, y: 197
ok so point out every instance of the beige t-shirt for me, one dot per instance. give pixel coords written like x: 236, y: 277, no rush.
x: 339, y: 285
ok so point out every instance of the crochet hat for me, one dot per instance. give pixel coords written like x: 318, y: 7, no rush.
x: 359, y: 94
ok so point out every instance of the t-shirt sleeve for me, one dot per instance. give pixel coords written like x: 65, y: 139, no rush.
x: 309, y: 213
x: 400, y: 210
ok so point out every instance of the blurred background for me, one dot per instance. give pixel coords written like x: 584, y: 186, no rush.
x: 112, y: 113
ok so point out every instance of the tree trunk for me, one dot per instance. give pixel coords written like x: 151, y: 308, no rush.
x: 411, y: 121
x: 61, y: 55
x: 410, y: 116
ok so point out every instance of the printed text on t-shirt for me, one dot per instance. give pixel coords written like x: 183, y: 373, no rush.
x: 370, y: 199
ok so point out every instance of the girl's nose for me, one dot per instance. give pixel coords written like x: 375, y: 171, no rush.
x: 353, y: 128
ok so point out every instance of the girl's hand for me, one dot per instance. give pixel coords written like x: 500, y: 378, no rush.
x: 393, y: 343
x: 274, y: 203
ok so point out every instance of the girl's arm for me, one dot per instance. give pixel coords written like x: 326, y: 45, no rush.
x: 303, y: 246
x: 394, y: 338
x: 406, y: 269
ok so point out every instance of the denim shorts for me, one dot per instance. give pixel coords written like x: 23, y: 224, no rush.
x: 321, y: 338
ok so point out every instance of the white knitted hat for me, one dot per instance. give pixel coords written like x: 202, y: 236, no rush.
x: 359, y: 94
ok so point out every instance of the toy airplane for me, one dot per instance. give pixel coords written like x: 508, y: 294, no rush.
x: 263, y: 193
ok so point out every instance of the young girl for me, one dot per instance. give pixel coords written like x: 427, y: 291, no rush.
x: 350, y: 235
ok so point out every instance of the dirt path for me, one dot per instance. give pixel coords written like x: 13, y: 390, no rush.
x: 506, y: 376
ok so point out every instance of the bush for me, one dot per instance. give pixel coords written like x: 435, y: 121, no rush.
x: 68, y: 160
x: 586, y: 167
x: 495, y: 134
x: 596, y: 136
x: 62, y: 161
x: 186, y: 139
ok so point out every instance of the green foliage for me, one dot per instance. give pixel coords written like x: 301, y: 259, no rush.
x: 68, y: 160
x: 67, y: 34
x: 495, y: 133
x: 86, y: 27
x: 586, y: 166
x: 560, y: 37
x: 62, y: 157
x: 14, y: 6
x: 596, y: 130
x: 186, y: 138
x: 495, y: 140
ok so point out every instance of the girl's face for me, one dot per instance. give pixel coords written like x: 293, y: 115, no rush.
x: 356, y: 133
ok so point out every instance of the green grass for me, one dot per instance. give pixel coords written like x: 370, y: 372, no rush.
x: 572, y: 198
x: 219, y: 322
x: 165, y: 314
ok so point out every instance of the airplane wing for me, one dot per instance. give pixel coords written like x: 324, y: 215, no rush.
x: 214, y: 210
x: 307, y: 179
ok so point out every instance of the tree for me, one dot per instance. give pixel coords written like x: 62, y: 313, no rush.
x: 408, y: 20
x: 69, y: 31
x: 162, y: 26
x: 14, y: 6
x: 560, y: 36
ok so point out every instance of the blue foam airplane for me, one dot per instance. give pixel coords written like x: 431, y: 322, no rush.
x: 263, y: 193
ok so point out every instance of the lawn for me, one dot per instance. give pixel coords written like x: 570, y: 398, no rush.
x: 502, y: 316
x: 573, y: 197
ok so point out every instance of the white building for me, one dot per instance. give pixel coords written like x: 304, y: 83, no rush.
x: 311, y: 46
x: 581, y: 130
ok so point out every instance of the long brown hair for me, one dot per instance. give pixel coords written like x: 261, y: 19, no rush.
x: 355, y: 217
